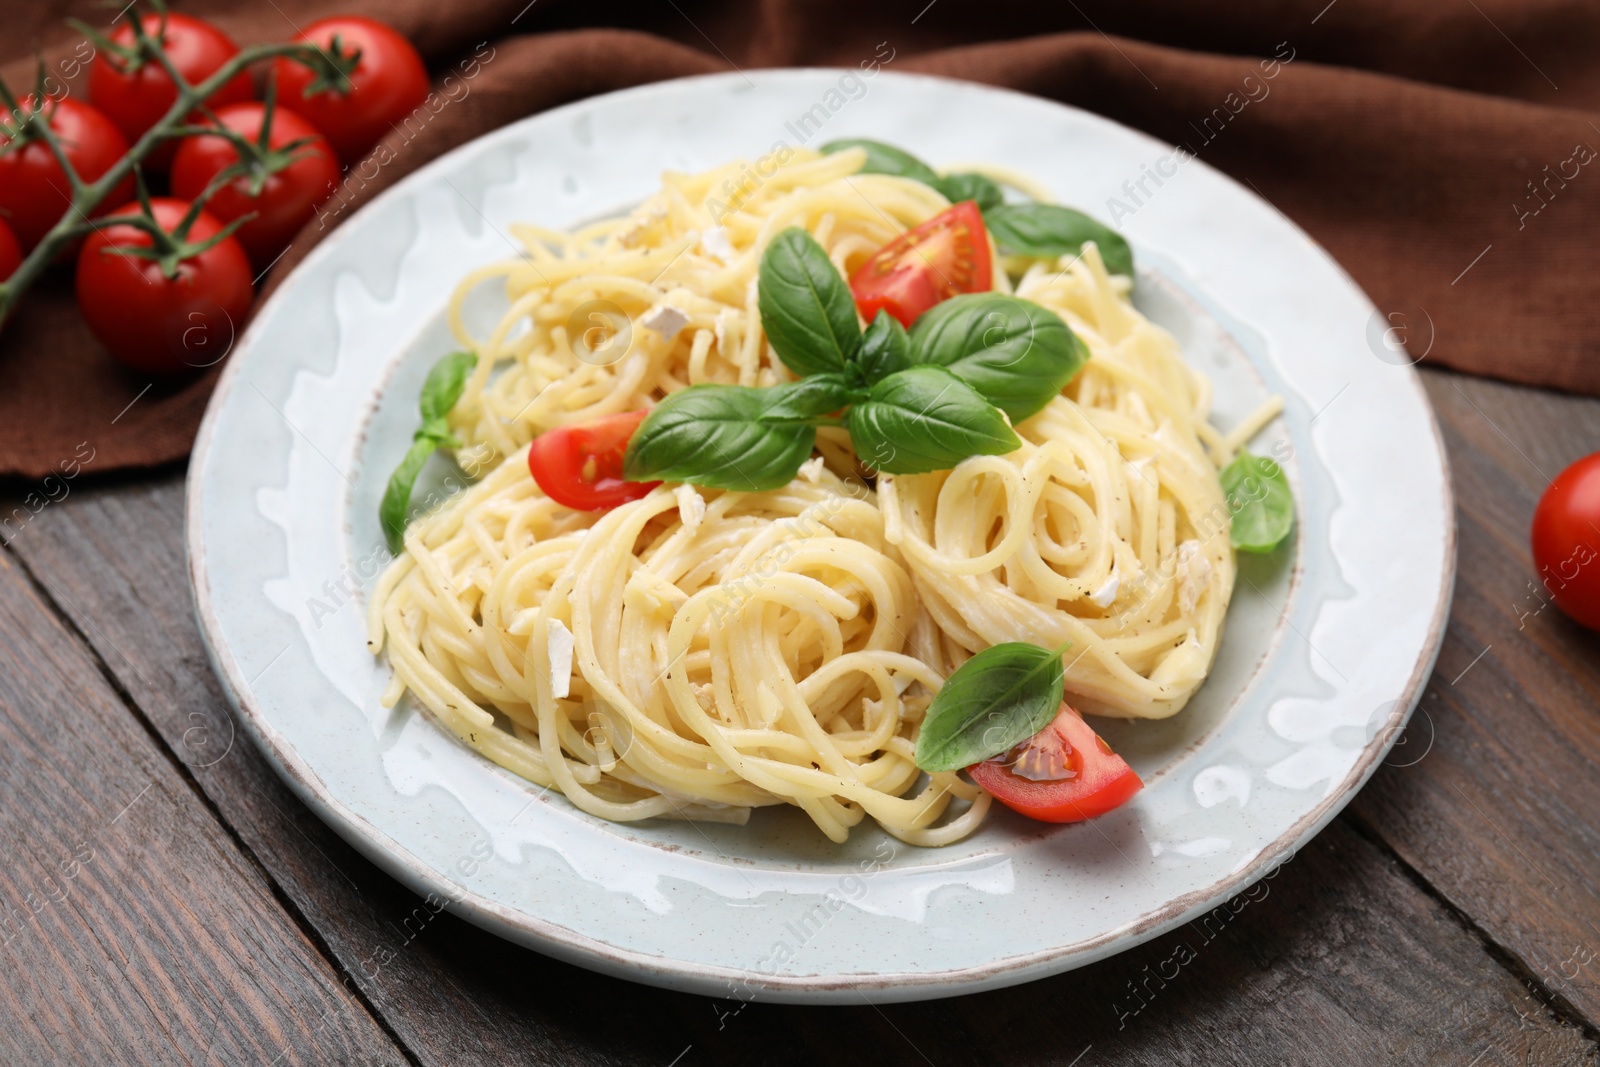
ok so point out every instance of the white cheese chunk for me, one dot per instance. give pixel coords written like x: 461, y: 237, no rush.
x: 1194, y: 574
x: 691, y: 507
x: 666, y: 320
x: 716, y: 242
x: 1106, y: 595
x: 561, y: 644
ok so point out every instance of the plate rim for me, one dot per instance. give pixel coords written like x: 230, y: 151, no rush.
x: 582, y: 949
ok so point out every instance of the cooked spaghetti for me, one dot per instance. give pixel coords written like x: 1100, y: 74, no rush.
x: 698, y: 652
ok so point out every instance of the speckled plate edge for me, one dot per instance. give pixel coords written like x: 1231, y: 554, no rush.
x: 563, y: 943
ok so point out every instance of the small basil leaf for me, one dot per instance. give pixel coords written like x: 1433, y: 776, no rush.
x: 926, y: 419
x: 1261, y: 501
x: 1012, y: 351
x: 809, y: 398
x: 715, y: 435
x: 1051, y: 230
x: 885, y: 348
x: 967, y: 186
x: 998, y: 698
x: 886, y: 159
x: 444, y: 383
x: 393, y: 511
x: 806, y: 308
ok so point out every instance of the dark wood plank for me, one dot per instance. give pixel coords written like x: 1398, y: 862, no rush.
x: 1502, y: 813
x: 1343, y: 959
x: 132, y: 929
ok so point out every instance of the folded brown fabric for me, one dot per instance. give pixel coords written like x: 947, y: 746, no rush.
x: 1439, y: 153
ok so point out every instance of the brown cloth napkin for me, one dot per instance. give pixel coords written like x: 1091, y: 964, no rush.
x: 1432, y: 148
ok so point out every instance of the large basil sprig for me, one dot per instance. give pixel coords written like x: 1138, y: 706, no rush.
x: 998, y: 698
x: 1260, y: 500
x: 913, y: 403
x: 806, y: 308
x: 440, y: 391
x: 1013, y: 351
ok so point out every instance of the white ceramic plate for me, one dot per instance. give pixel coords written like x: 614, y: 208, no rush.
x: 1326, y: 649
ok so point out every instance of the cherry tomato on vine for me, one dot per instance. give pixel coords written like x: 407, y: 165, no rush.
x: 1063, y: 773
x: 34, y: 192
x: 946, y: 255
x: 136, y: 92
x: 1566, y: 541
x: 286, y: 184
x: 387, y: 83
x: 158, y: 321
x: 10, y: 254
x: 580, y: 466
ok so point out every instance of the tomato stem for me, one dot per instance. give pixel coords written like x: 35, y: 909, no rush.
x: 87, y: 196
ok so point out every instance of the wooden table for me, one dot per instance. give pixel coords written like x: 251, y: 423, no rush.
x: 165, y: 899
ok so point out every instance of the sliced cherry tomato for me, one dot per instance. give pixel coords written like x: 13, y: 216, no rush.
x: 154, y: 323
x: 387, y: 84
x: 1063, y: 773
x: 946, y: 255
x: 1566, y: 541
x: 581, y: 466
x: 10, y: 254
x: 284, y: 188
x: 135, y: 94
x: 34, y: 193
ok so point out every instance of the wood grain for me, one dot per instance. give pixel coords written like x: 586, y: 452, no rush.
x: 132, y: 929
x: 1502, y: 813
x: 1346, y: 946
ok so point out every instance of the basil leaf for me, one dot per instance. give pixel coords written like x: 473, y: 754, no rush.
x: 885, y: 348
x: 393, y: 511
x: 998, y: 698
x: 926, y: 419
x: 809, y: 398
x: 967, y: 186
x: 1016, y: 354
x: 806, y: 308
x: 716, y: 436
x: 1261, y: 502
x: 1052, y: 231
x: 444, y: 383
x: 440, y: 391
x: 886, y: 159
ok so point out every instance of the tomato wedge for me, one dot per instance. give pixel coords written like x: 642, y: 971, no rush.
x: 946, y: 255
x: 1063, y: 773
x: 581, y: 465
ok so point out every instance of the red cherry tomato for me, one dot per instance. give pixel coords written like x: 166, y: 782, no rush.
x: 34, y: 193
x: 1566, y: 541
x: 10, y: 254
x: 136, y: 99
x: 946, y: 255
x: 1063, y: 773
x: 581, y: 466
x: 288, y: 198
x: 157, y: 324
x: 388, y: 83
